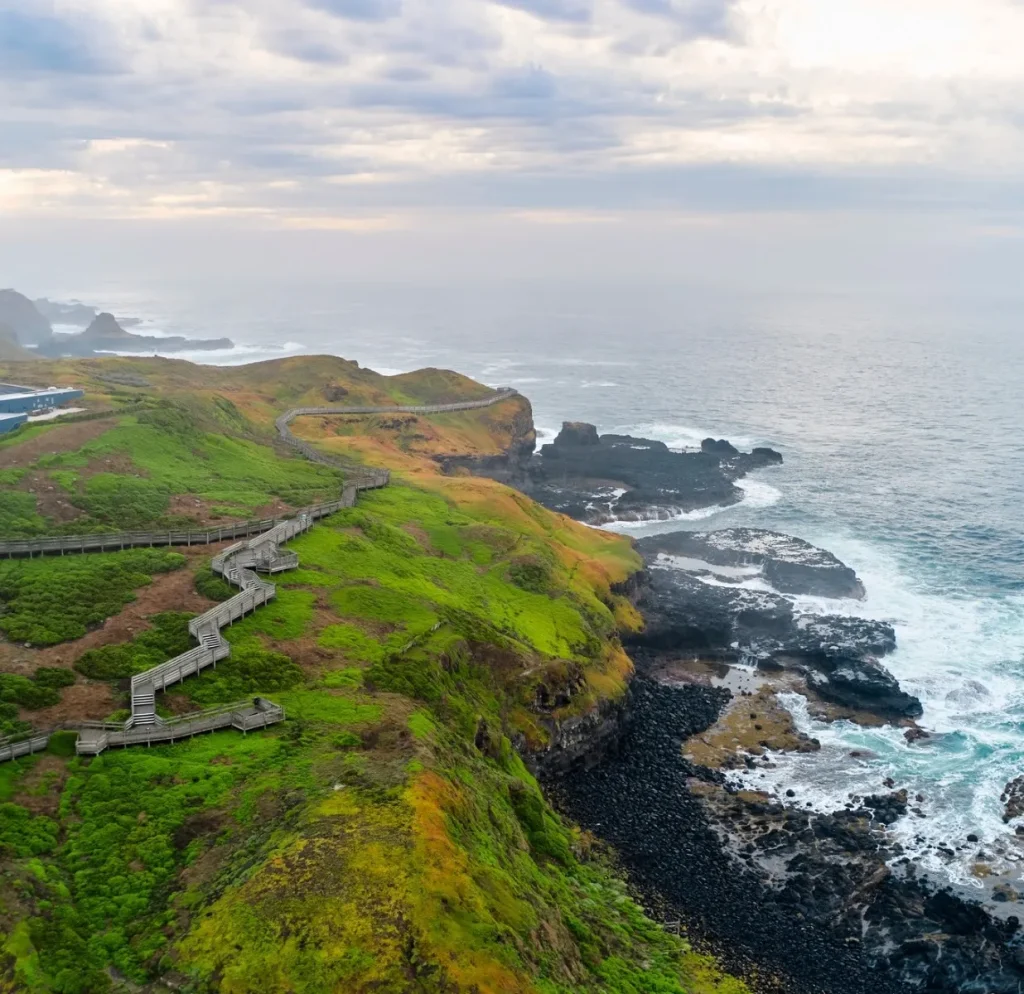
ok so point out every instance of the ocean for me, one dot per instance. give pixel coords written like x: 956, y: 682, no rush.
x: 902, y: 429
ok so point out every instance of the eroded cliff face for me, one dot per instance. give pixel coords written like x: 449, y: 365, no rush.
x: 513, y: 432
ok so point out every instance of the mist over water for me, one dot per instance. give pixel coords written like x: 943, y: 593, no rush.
x: 899, y: 419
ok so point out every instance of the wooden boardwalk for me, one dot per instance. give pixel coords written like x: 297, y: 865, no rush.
x: 241, y: 565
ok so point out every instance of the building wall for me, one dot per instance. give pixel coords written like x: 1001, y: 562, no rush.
x: 37, y: 401
x: 8, y: 422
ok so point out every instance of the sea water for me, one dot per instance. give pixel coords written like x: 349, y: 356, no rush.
x: 902, y: 430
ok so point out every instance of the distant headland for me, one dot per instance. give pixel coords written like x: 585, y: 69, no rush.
x: 26, y: 331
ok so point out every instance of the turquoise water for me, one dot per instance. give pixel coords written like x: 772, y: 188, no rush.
x: 902, y: 429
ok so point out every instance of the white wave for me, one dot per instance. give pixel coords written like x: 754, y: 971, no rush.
x: 221, y: 357
x: 962, y: 655
x: 681, y: 438
x: 758, y: 494
x: 587, y: 384
x: 700, y: 514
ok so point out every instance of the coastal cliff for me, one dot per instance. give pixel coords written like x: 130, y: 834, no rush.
x: 388, y: 835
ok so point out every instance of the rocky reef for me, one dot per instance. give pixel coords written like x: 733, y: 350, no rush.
x: 729, y: 595
x: 27, y: 323
x: 821, y: 902
x: 600, y: 478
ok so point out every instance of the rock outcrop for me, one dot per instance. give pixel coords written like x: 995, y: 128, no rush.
x: 19, y: 314
x: 600, y: 478
x: 104, y: 334
x: 10, y: 350
x: 714, y: 594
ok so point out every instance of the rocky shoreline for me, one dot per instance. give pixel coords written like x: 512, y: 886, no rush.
x: 799, y: 901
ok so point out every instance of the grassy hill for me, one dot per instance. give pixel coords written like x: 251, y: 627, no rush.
x: 388, y: 836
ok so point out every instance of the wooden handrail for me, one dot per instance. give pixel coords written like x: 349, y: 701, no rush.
x: 237, y: 564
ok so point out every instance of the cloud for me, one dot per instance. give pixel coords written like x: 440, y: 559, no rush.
x: 574, y: 11
x: 360, y: 10
x: 696, y: 18
x: 318, y: 108
x: 43, y: 44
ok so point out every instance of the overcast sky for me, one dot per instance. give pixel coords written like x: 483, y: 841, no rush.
x: 411, y: 126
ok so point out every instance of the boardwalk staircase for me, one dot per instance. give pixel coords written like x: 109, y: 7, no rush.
x: 240, y: 565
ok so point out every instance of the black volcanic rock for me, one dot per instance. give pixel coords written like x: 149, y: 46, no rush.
x: 722, y: 448
x: 819, y: 903
x: 790, y: 565
x: 104, y: 327
x: 698, y: 598
x: 600, y: 478
x: 576, y: 433
x: 21, y: 316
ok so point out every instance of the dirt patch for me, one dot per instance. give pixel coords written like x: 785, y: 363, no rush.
x: 421, y: 536
x: 275, y: 509
x: 40, y: 787
x: 52, y: 501
x: 114, y: 463
x: 88, y: 700
x: 168, y: 592
x: 64, y: 438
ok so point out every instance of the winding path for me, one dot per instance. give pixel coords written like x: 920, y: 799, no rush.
x: 241, y: 565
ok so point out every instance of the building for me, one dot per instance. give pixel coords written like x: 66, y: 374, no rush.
x: 25, y: 400
x: 8, y: 422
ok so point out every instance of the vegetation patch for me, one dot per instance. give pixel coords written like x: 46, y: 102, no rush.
x: 212, y: 586
x: 56, y: 599
x: 169, y: 637
x: 387, y: 836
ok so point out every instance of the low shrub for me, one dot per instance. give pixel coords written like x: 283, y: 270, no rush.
x: 55, y: 677
x: 46, y: 601
x: 169, y: 637
x: 213, y: 587
x: 26, y: 693
x: 531, y: 574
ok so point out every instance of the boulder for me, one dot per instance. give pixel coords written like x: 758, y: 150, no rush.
x: 721, y: 448
x: 576, y: 433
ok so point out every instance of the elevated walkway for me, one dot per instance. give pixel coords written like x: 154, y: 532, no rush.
x: 240, y: 565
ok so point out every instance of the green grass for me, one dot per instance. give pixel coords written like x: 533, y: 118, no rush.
x: 56, y: 599
x: 393, y: 580
x: 387, y: 836
x: 215, y: 467
x: 166, y: 452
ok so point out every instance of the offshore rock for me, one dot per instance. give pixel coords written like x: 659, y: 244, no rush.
x: 105, y: 334
x: 699, y: 600
x: 601, y: 478
x: 789, y: 565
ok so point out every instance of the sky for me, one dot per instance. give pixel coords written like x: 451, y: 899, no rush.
x: 741, y: 138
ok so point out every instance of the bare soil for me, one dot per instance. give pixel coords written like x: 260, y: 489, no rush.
x: 88, y: 699
x: 65, y: 438
x: 40, y: 787
x: 52, y: 502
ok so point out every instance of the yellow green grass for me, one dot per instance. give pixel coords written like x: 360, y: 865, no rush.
x: 387, y: 836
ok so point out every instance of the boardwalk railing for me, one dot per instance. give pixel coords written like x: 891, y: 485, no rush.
x: 240, y: 564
